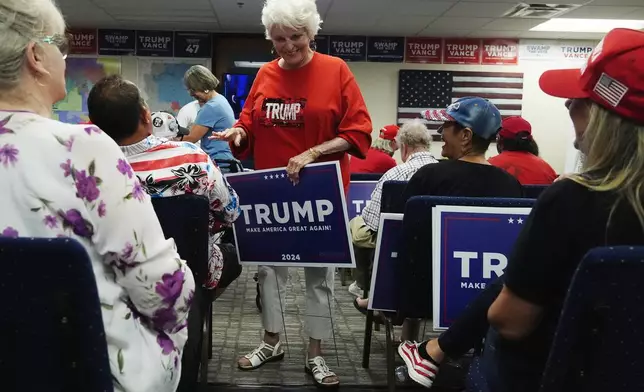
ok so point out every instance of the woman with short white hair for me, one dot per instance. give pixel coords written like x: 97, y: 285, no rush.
x: 302, y: 108
x: 74, y: 181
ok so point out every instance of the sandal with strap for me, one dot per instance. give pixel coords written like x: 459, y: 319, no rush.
x: 262, y: 354
x: 317, y: 368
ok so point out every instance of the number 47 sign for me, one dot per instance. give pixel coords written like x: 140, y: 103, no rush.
x: 192, y: 44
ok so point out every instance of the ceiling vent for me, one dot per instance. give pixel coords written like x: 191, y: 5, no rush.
x: 539, y: 11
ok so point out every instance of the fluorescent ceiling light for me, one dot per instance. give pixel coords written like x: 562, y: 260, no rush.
x: 587, y: 25
x: 249, y: 64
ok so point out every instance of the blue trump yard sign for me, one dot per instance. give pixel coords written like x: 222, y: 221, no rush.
x: 388, y: 244
x: 470, y: 250
x: 299, y: 226
x: 359, y: 196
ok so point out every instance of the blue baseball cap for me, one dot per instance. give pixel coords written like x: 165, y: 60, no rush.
x: 475, y: 113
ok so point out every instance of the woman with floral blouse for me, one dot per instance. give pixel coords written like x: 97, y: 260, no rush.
x: 73, y: 181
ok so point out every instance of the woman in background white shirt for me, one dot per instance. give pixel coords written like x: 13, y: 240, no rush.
x: 73, y: 181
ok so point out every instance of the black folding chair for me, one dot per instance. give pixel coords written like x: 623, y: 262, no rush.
x: 414, y: 268
x: 51, y: 328
x: 391, y: 199
x: 185, y: 219
x: 366, y: 176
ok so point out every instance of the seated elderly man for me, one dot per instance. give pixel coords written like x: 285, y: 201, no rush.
x: 414, y: 141
x: 167, y: 168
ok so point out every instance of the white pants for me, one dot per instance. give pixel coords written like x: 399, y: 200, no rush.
x: 319, y: 291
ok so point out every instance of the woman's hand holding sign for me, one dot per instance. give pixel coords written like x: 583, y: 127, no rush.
x: 296, y: 163
x: 235, y: 135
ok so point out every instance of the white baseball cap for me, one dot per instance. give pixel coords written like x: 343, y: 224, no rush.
x: 165, y: 125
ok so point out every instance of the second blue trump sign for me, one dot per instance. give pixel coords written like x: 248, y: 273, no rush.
x: 299, y: 226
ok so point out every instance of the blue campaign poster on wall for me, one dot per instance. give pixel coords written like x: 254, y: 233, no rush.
x: 386, y: 49
x: 348, y: 47
x: 299, y: 226
x: 192, y: 44
x: 470, y: 248
x: 359, y: 196
x: 383, y: 279
x: 116, y: 42
x: 322, y: 44
x: 154, y: 43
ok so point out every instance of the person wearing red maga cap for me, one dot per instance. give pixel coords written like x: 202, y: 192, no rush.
x: 601, y: 206
x: 304, y: 107
x: 379, y: 158
x: 519, y: 153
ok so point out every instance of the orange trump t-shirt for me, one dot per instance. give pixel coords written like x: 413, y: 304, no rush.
x: 289, y: 111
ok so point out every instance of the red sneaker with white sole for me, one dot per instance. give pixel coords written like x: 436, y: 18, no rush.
x: 419, y: 369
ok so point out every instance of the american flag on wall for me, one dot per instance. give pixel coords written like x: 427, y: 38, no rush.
x: 429, y: 90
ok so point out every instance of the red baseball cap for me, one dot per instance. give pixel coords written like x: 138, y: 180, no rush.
x: 613, y: 76
x: 389, y: 132
x: 512, y: 126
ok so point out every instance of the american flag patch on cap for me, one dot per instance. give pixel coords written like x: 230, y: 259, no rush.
x: 610, y: 90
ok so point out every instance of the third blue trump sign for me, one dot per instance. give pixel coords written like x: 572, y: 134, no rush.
x: 300, y: 226
x: 471, y: 247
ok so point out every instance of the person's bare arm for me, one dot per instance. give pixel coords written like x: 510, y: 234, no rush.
x: 196, y: 133
x: 513, y: 317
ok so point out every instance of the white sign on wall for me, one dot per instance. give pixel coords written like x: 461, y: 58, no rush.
x: 532, y: 49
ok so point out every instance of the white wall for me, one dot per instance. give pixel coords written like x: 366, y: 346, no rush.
x: 551, y: 125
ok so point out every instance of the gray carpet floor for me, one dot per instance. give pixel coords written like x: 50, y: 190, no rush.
x: 237, y: 330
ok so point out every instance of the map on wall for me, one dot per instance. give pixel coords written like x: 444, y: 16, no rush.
x: 161, y: 82
x: 80, y: 76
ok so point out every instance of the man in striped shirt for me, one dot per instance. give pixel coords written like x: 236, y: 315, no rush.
x: 165, y: 167
x: 414, y: 140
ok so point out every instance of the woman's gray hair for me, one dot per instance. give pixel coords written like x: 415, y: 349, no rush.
x: 199, y: 78
x: 21, y: 22
x: 414, y: 134
x: 293, y: 14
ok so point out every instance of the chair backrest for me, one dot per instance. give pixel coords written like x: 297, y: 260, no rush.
x: 533, y: 191
x: 365, y: 176
x: 414, y: 269
x: 597, y: 345
x: 51, y: 328
x: 185, y: 219
x: 230, y: 165
x: 392, y: 193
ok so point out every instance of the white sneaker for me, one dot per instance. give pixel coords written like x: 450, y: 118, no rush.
x: 355, y: 290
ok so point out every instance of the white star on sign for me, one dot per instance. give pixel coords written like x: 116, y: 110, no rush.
x: 266, y: 177
x: 271, y: 176
x: 283, y: 175
x: 520, y: 221
x: 510, y: 220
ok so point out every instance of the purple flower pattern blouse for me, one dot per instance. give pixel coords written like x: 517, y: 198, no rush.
x: 73, y: 181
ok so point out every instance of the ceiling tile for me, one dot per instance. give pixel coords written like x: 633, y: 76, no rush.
x: 637, y: 13
x: 502, y: 24
x: 446, y: 23
x: 633, y: 3
x: 600, y: 12
x: 494, y: 34
x: 484, y: 10
x: 391, y: 7
x: 429, y: 32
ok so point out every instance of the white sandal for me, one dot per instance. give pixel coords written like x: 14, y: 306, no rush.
x: 262, y: 354
x: 317, y: 368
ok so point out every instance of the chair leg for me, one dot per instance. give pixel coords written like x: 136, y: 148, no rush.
x: 389, y: 350
x: 368, y: 331
x: 205, y: 352
x: 209, y: 326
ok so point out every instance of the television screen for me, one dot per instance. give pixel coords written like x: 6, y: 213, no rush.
x: 236, y: 89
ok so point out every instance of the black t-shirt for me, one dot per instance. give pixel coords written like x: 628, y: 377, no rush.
x: 462, y: 179
x: 566, y: 222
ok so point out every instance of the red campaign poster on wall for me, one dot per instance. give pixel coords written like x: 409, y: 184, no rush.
x: 500, y: 51
x: 82, y: 41
x: 462, y: 51
x: 424, y: 50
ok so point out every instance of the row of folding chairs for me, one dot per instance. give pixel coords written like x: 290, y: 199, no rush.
x: 598, y: 316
